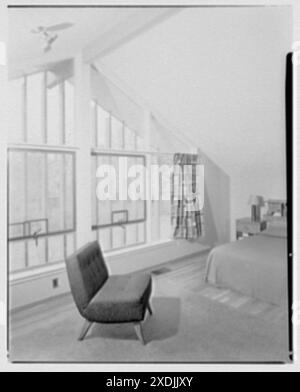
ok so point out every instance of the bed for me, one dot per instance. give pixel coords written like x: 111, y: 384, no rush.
x: 255, y: 266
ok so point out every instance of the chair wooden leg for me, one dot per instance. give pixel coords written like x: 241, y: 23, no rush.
x: 149, y: 308
x: 85, y: 329
x: 139, y: 332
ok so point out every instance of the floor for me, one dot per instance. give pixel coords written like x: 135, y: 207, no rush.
x: 192, y: 322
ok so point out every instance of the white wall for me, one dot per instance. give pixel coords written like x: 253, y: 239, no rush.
x: 218, y: 75
x: 29, y: 288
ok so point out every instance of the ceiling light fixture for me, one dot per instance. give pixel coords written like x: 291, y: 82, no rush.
x: 47, y: 34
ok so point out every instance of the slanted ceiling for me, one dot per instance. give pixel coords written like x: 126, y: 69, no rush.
x: 217, y: 74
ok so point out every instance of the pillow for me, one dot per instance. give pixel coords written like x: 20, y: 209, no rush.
x: 276, y: 228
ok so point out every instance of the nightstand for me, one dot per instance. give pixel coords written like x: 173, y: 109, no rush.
x: 277, y: 206
x: 247, y: 226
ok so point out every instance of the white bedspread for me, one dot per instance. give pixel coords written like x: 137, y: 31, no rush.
x: 255, y: 266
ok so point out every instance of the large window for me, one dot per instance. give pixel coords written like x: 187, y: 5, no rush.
x: 42, y: 211
x: 43, y: 111
x: 41, y: 225
x: 119, y: 222
x: 41, y: 206
x: 111, y: 133
x: 116, y: 223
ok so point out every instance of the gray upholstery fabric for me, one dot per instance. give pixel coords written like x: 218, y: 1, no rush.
x: 87, y: 273
x: 102, y: 298
x: 123, y: 298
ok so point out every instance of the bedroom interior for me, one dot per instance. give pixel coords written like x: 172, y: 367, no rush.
x: 139, y: 87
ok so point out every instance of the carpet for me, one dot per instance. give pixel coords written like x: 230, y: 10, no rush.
x: 186, y: 327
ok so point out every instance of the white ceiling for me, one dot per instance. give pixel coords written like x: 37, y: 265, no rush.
x: 218, y: 75
x: 88, y: 25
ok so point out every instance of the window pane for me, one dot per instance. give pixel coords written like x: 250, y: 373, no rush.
x: 16, y: 255
x: 93, y: 115
x: 136, y: 207
x: 94, y: 181
x: 129, y: 136
x: 111, y: 212
x: 69, y: 206
x: 41, y: 201
x: 70, y: 243
x: 35, y: 111
x: 102, y: 122
x: 131, y: 234
x: 101, y: 208
x: 17, y: 202
x: 140, y: 145
x: 165, y: 199
x: 116, y: 134
x: 141, y: 232
x: 41, y: 192
x: 165, y: 220
x: 155, y: 221
x: 118, y: 237
x: 56, y: 248
x: 116, y: 205
x: 105, y: 239
x: 55, y: 192
x: 140, y: 209
x: 35, y: 118
x: 35, y: 186
x: 69, y: 113
x: 15, y: 111
x: 54, y: 116
x: 36, y: 252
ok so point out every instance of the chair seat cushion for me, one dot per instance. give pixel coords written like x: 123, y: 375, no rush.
x: 122, y: 298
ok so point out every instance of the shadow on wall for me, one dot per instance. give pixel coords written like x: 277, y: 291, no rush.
x: 216, y: 203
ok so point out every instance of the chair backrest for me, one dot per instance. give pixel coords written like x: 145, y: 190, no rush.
x: 87, y: 273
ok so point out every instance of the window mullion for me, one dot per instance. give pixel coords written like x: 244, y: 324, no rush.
x: 97, y: 204
x: 95, y: 123
x: 62, y: 113
x: 135, y: 141
x: 123, y: 135
x: 24, y: 120
x: 44, y: 110
x: 109, y: 132
x: 26, y: 202
x: 64, y: 202
x: 46, y: 205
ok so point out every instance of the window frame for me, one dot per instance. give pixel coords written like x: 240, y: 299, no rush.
x: 46, y: 151
x: 134, y: 221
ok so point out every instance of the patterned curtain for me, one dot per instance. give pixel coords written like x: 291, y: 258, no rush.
x: 187, y: 218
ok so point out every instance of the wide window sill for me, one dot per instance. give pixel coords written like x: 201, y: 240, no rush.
x: 44, y: 270
x: 48, y: 269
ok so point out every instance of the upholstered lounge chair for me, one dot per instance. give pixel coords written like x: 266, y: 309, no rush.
x: 101, y: 298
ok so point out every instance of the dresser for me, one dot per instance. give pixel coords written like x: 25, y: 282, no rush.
x: 249, y: 227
